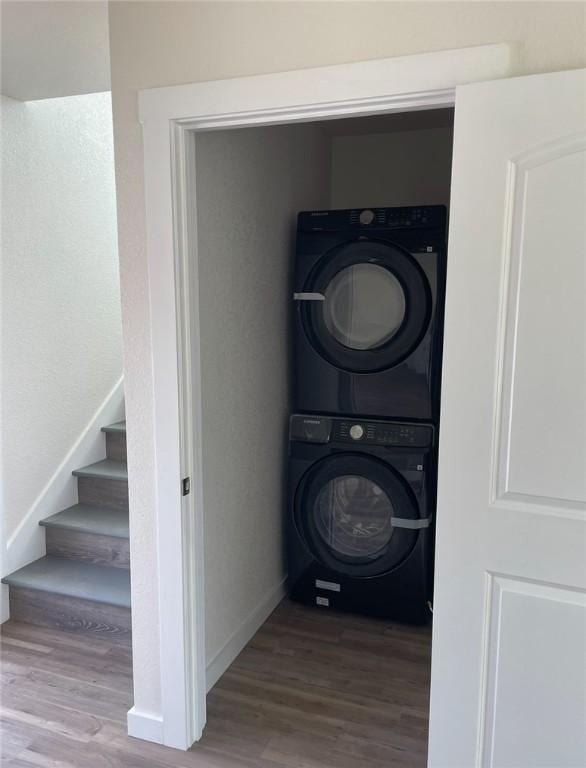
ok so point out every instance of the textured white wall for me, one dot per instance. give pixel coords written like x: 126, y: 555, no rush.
x: 392, y: 169
x: 167, y: 43
x: 251, y: 184
x: 61, y: 328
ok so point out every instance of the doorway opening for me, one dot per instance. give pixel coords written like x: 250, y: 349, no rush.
x: 307, y: 666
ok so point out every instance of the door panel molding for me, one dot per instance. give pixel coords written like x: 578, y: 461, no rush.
x: 503, y: 492
x: 499, y: 619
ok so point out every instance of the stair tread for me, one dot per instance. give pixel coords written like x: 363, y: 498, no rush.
x: 90, y: 518
x: 107, y: 469
x: 119, y: 426
x: 75, y: 578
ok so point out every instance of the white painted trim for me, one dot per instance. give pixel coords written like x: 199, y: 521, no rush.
x: 4, y: 603
x: 190, y: 406
x: 364, y: 87
x: 144, y: 725
x: 221, y: 660
x: 170, y: 117
x: 27, y: 543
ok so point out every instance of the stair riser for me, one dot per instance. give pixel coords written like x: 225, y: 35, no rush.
x: 105, y: 493
x: 90, y: 547
x: 116, y: 446
x: 47, y: 609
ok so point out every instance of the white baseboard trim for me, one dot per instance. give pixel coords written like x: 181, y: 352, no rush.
x: 145, y: 725
x: 27, y: 543
x: 4, y: 603
x: 251, y: 624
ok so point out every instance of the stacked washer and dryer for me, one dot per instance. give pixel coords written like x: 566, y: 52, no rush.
x: 369, y: 296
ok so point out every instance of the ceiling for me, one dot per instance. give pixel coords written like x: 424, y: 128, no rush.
x: 51, y: 49
x: 388, y: 123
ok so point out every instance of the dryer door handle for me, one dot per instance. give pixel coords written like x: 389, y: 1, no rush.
x: 414, y: 525
x: 309, y: 297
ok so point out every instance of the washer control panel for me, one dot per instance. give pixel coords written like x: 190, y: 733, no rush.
x: 382, y: 433
x: 326, y: 429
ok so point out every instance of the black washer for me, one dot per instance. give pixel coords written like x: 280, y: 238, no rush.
x: 360, y: 515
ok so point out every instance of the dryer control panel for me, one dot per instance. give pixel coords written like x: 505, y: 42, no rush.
x: 410, y: 217
x: 326, y: 429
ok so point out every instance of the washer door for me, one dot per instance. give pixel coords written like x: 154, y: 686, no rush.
x: 345, y: 507
x: 373, y: 307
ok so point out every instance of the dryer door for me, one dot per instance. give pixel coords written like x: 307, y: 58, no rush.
x: 366, y: 306
x: 356, y: 515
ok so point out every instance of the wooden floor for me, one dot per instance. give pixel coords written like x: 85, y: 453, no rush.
x: 311, y: 690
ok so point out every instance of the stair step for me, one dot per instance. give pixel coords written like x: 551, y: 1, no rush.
x: 119, y: 426
x: 77, y: 545
x: 90, y: 518
x: 116, y: 446
x: 74, y: 579
x: 110, y: 494
x: 106, y: 469
x: 71, y: 614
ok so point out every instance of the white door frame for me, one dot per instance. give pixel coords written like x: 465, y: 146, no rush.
x: 170, y: 118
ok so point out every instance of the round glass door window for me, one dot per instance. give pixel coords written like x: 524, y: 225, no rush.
x: 364, y: 306
x: 352, y: 515
x: 376, y: 306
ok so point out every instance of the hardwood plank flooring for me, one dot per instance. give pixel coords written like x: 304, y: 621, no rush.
x: 100, y: 492
x: 311, y: 690
x: 71, y: 613
x: 90, y: 547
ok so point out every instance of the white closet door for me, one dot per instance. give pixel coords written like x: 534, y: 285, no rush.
x: 509, y: 639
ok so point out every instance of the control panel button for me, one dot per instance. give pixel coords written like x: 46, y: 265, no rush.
x: 356, y: 432
x: 367, y: 217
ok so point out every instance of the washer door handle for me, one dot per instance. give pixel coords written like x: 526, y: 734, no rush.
x: 309, y: 297
x: 405, y: 522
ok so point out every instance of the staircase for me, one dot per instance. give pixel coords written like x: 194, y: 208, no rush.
x: 83, y: 583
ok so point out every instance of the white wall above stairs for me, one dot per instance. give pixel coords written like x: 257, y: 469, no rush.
x: 61, y: 354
